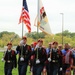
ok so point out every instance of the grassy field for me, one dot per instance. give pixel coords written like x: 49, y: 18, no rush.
x: 15, y: 71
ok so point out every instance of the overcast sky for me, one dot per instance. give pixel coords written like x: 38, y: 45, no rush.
x: 10, y: 11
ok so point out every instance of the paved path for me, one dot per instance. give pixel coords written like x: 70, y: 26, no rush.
x: 2, y: 50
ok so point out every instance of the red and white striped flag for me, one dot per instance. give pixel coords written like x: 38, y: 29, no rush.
x: 25, y: 18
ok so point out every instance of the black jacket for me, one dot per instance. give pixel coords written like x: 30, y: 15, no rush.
x: 25, y: 52
x: 10, y: 59
x: 41, y: 55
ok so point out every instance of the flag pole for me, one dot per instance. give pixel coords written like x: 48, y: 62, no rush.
x: 38, y: 21
x: 22, y: 22
x: 38, y: 12
x: 62, y: 26
x: 22, y: 32
x: 22, y: 28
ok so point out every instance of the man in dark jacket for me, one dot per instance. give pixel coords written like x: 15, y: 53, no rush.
x: 24, y: 52
x: 39, y: 58
x: 10, y: 60
x: 55, y: 59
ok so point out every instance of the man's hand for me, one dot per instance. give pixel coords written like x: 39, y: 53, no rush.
x: 49, y: 59
x: 2, y: 59
x: 60, y: 68
x: 37, y: 61
x: 21, y: 43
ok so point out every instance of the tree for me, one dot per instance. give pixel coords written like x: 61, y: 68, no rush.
x: 35, y: 36
x: 6, y: 37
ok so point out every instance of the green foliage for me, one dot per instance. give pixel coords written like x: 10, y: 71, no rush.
x: 67, y: 33
x: 68, y: 37
x: 35, y: 35
x: 6, y: 37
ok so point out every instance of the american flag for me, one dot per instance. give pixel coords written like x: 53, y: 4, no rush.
x: 25, y: 18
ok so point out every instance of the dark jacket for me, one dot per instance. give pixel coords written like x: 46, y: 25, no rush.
x: 41, y: 55
x: 25, y: 52
x: 10, y: 59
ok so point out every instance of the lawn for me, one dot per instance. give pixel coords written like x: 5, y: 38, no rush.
x: 15, y: 71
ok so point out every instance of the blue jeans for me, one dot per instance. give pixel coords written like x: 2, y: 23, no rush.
x: 37, y: 69
x: 22, y: 69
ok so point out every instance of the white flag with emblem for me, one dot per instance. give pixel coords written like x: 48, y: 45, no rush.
x: 42, y: 22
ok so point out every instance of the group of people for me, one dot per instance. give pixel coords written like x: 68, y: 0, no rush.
x: 54, y: 60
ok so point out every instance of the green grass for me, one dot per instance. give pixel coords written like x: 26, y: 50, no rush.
x: 14, y: 72
x: 1, y: 65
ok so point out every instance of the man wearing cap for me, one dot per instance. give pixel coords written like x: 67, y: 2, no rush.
x: 10, y: 60
x: 55, y: 59
x: 40, y: 58
x: 24, y: 52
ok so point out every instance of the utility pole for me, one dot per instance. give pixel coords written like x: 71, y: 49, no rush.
x: 62, y: 26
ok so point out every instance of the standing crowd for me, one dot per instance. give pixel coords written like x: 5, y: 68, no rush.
x: 54, y: 60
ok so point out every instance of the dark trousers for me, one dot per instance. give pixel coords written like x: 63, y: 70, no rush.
x: 8, y: 71
x: 54, y: 69
x: 65, y: 67
x: 60, y: 72
x: 22, y: 69
x: 48, y: 68
x: 37, y: 70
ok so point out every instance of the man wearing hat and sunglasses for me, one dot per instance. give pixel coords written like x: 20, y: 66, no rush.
x: 24, y: 51
x: 10, y: 60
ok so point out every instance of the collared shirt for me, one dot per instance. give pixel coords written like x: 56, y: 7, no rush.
x: 9, y: 50
x: 24, y: 45
x: 55, y: 49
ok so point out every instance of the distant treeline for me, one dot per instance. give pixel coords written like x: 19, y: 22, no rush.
x: 68, y: 37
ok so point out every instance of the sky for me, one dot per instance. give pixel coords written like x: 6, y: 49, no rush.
x: 10, y: 11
